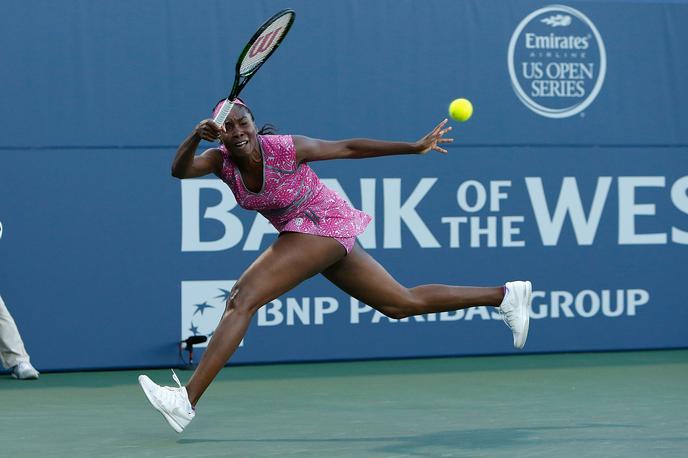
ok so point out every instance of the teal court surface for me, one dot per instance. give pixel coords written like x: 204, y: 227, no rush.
x: 627, y: 404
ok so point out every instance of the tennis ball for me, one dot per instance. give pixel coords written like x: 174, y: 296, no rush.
x: 461, y: 109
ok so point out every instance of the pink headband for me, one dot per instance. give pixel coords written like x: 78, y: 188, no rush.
x: 237, y: 101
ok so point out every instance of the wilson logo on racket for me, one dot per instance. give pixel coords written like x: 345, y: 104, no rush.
x: 264, y: 43
x: 557, y: 61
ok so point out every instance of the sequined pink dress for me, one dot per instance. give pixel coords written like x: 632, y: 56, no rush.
x: 292, y: 198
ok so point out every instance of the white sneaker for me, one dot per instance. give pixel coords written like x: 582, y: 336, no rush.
x: 515, y: 310
x: 172, y: 403
x: 24, y: 371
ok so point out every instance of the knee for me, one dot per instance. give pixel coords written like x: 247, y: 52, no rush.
x: 402, y: 306
x: 240, y: 302
x: 394, y: 312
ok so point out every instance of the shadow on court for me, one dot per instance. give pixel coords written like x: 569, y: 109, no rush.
x: 485, y: 440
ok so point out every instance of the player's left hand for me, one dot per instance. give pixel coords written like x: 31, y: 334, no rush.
x: 433, y: 139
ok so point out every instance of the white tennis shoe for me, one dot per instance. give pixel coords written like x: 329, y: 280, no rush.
x: 515, y: 310
x: 24, y: 371
x: 173, y: 403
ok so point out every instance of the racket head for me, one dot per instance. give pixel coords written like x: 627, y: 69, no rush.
x: 264, y: 42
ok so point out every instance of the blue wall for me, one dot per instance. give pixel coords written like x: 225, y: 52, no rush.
x: 99, y: 268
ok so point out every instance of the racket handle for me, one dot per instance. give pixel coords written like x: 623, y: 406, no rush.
x: 223, y: 113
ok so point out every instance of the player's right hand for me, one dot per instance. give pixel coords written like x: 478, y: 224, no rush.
x: 207, y: 130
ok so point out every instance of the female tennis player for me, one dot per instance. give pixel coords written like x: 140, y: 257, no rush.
x: 318, y: 229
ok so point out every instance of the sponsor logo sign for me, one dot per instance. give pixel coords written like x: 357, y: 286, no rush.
x: 203, y: 303
x: 557, y: 61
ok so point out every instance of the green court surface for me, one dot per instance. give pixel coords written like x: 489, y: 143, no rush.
x: 628, y: 404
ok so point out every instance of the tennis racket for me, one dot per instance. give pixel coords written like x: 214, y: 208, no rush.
x: 258, y: 49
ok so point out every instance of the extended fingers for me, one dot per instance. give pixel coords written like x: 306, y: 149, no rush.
x: 439, y: 126
x: 437, y: 136
x: 436, y: 146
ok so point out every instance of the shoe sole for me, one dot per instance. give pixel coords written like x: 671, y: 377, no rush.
x: 30, y: 377
x: 142, y: 380
x: 529, y: 298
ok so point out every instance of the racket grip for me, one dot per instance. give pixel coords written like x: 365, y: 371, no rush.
x: 223, y: 113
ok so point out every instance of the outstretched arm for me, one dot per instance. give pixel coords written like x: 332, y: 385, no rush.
x: 186, y: 164
x: 311, y: 149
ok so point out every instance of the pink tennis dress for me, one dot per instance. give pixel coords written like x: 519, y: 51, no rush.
x: 293, y: 198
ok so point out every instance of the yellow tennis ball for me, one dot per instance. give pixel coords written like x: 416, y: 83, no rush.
x: 461, y: 109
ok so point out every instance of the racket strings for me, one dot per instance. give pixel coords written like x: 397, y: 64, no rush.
x: 266, y: 42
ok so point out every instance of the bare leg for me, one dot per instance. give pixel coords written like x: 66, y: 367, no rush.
x: 362, y: 277
x: 292, y: 259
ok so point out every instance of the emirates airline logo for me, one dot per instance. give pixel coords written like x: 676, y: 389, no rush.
x: 557, y: 61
